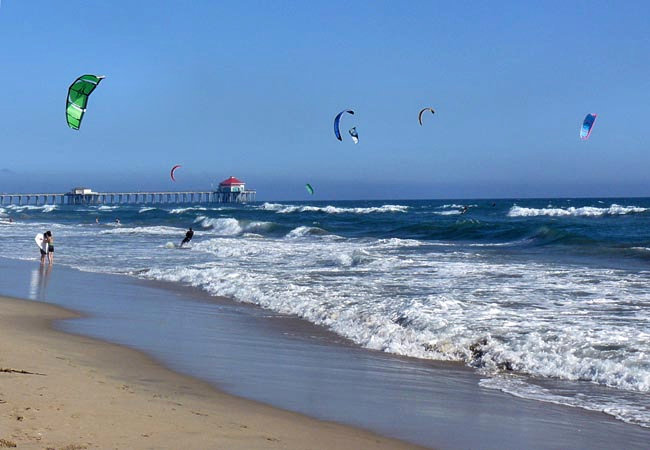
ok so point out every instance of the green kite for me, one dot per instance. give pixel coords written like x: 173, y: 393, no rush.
x: 77, y: 100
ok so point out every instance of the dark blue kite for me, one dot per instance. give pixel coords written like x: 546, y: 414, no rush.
x: 337, y: 119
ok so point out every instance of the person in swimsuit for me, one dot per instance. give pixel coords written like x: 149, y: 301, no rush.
x: 188, y: 237
x: 50, y: 246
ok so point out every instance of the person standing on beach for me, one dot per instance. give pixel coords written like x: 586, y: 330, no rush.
x: 188, y: 237
x: 50, y: 246
x: 43, y: 247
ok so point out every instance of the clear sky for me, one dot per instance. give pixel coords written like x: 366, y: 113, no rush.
x: 250, y: 88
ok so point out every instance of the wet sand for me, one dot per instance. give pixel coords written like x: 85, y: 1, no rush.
x: 64, y: 391
x: 290, y: 364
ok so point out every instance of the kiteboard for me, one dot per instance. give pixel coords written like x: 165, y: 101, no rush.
x: 40, y: 241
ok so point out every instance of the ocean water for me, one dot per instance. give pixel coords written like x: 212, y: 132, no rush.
x: 548, y: 299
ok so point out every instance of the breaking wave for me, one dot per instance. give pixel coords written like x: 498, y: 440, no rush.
x: 153, y: 230
x: 286, y: 209
x: 184, y: 210
x: 585, y: 211
x: 228, y: 226
x: 22, y: 208
x: 305, y: 231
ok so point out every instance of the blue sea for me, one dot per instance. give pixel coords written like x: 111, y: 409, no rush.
x: 547, y: 299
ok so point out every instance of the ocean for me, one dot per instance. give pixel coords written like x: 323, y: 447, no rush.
x: 547, y: 299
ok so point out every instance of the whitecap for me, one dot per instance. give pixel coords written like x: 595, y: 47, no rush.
x: 287, y: 209
x: 585, y: 211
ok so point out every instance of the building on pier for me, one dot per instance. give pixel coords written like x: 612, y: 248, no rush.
x: 81, y: 191
x: 81, y: 196
x: 232, y: 190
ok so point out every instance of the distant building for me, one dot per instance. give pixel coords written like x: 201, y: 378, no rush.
x: 232, y: 184
x: 80, y: 196
x: 232, y: 190
x: 81, y: 191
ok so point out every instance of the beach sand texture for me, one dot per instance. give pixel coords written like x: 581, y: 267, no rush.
x: 59, y: 390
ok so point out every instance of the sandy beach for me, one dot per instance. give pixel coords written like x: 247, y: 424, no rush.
x: 163, y: 364
x: 65, y: 391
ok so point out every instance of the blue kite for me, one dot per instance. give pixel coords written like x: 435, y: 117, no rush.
x: 337, y: 120
x: 587, y: 126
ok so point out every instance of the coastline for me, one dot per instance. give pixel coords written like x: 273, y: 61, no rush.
x: 87, y: 393
x: 283, y: 361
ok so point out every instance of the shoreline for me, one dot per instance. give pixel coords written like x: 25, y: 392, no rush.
x: 287, y: 363
x: 79, y: 392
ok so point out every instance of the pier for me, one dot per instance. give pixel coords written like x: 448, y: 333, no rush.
x: 231, y: 190
x: 122, y: 198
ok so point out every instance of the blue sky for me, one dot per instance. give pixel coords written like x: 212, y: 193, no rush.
x: 251, y: 88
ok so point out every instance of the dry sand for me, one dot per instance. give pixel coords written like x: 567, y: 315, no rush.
x: 64, y: 391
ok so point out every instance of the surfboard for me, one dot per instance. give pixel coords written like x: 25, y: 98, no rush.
x: 40, y: 241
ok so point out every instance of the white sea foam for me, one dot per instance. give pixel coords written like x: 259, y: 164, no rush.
x: 392, y: 243
x: 585, y: 211
x: 146, y: 209
x: 184, y: 210
x: 22, y: 208
x: 627, y: 410
x: 369, y: 293
x: 455, y: 206
x: 107, y: 208
x: 286, y: 209
x: 258, y: 226
x: 228, y: 226
x: 153, y: 230
x: 224, y: 226
x: 305, y: 231
x: 447, y: 213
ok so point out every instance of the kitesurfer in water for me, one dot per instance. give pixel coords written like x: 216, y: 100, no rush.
x: 188, y: 237
x: 464, y: 209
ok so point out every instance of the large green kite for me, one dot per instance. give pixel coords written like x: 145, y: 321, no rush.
x: 77, y: 100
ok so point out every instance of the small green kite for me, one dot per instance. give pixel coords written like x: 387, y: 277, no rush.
x: 77, y: 100
x: 309, y: 189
